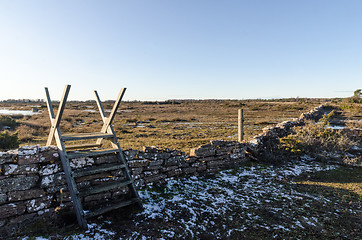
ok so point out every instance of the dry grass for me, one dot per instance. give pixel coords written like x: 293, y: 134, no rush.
x: 172, y: 124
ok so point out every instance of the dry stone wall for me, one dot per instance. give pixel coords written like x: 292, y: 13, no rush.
x: 262, y: 145
x: 33, y: 185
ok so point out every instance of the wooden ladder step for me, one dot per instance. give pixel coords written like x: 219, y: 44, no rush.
x: 91, y: 153
x: 98, y: 169
x: 82, y: 136
x: 104, y: 188
x: 110, y: 207
x: 80, y: 146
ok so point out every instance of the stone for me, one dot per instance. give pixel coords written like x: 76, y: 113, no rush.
x: 82, y: 162
x: 139, y: 183
x: 201, y: 168
x: 166, y: 169
x: 105, y: 159
x: 26, y: 218
x: 136, y: 171
x: 150, y: 173
x: 15, y: 169
x: 3, y: 198
x: 130, y: 154
x: 18, y: 183
x: 156, y: 163
x: 138, y: 163
x: 204, y: 151
x: 197, y: 164
x: 55, y: 189
x: 29, y: 159
x: 191, y: 159
x: 49, y: 154
x: 53, y: 180
x: 213, y: 164
x: 12, y: 209
x: 37, y: 204
x: 25, y: 195
x: 174, y: 172
x: 163, y: 155
x: 153, y: 168
x: 176, y: 160
x: 176, y: 153
x: 147, y: 155
x: 50, y: 169
x: 28, y: 150
x: 183, y: 163
x: 206, y: 159
x: 47, y: 213
x: 189, y: 170
x: 154, y: 178
x: 5, y: 157
x: 34, y: 154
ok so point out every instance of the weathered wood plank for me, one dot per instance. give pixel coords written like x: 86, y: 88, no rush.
x: 82, y: 146
x: 91, y: 153
x: 83, y: 136
x: 95, y: 170
x: 104, y: 188
x: 55, y: 122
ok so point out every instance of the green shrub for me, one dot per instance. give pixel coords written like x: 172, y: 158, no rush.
x: 8, y: 141
x: 8, y: 121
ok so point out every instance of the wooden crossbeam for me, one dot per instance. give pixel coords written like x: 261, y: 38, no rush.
x: 107, y: 121
x: 56, y: 120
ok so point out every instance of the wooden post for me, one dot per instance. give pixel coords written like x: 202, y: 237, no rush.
x: 240, y: 125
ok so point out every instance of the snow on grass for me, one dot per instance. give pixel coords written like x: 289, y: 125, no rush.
x: 94, y: 232
x: 251, y: 199
x: 231, y: 201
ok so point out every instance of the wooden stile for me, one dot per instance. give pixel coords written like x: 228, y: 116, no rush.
x: 66, y: 154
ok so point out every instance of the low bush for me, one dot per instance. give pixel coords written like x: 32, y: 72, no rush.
x: 8, y: 121
x: 317, y: 137
x: 8, y: 141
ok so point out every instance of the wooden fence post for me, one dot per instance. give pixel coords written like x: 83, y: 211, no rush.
x: 240, y: 125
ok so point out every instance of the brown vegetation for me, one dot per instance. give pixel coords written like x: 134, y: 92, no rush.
x: 174, y: 124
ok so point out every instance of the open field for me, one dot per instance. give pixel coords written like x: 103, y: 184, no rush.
x: 172, y: 124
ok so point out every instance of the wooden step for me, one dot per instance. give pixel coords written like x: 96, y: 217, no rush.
x: 81, y: 146
x: 82, y: 136
x: 108, y: 208
x: 98, y: 169
x: 104, y: 188
x: 91, y: 153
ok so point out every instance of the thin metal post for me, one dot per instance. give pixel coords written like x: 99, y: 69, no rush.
x: 240, y: 125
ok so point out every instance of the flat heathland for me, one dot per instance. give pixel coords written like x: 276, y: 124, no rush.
x: 180, y: 124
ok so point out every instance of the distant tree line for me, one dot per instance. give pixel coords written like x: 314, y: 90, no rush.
x: 23, y: 101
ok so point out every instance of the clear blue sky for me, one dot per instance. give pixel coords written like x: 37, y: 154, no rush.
x: 165, y: 49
